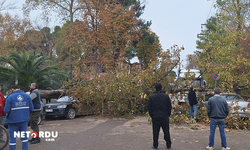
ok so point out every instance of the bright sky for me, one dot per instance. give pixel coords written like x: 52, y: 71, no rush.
x: 174, y: 21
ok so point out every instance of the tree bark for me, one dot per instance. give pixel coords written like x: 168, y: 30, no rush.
x: 52, y: 93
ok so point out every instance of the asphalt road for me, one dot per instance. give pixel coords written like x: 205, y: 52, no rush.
x: 95, y: 133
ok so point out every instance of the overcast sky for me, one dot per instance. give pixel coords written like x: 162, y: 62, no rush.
x: 178, y: 21
x: 174, y: 21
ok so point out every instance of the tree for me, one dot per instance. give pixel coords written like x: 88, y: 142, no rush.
x: 48, y: 41
x: 11, y: 29
x: 191, y: 61
x: 67, y: 9
x: 121, y: 92
x: 27, y: 68
x: 148, y: 47
x: 37, y: 40
x: 222, y: 45
x: 8, y: 6
x: 67, y: 48
x: 104, y: 32
x: 31, y: 41
x: 143, y: 32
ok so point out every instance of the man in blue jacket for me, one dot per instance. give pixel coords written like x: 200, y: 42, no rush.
x: 217, y: 111
x: 17, y: 107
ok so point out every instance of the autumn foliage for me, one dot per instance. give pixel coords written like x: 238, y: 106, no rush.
x: 122, y: 92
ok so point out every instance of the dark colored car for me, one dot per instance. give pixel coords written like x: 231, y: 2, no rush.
x: 63, y: 107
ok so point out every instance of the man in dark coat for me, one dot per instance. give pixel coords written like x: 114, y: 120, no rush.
x: 34, y: 115
x: 159, y: 108
x: 192, y: 102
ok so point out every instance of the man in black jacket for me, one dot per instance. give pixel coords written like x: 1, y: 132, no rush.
x: 159, y: 108
x: 192, y: 102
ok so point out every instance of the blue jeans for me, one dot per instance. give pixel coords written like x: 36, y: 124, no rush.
x: 221, y: 124
x: 193, y: 108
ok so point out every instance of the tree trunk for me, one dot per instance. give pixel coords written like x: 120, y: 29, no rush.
x: 70, y: 61
x: 52, y: 93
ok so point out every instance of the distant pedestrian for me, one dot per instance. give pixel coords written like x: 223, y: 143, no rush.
x: 217, y: 111
x: 17, y: 107
x: 192, y: 102
x: 48, y: 100
x: 159, y: 108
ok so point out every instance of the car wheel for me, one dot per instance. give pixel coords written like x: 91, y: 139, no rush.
x: 71, y: 114
x: 39, y: 119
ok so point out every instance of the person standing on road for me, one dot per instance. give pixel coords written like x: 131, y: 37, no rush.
x: 35, y: 114
x: 192, y: 102
x: 217, y: 111
x: 17, y: 107
x: 48, y: 100
x: 2, y: 104
x: 159, y: 108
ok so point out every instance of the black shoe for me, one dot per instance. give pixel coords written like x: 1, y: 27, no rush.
x: 154, y: 147
x: 35, y: 141
x: 31, y: 139
x: 169, y: 145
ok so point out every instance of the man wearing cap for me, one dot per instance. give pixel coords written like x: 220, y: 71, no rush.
x: 159, y: 108
x: 17, y: 108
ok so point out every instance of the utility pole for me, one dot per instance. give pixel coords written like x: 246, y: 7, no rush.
x: 201, y: 34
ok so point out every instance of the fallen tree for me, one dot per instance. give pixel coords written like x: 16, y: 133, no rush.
x: 52, y: 93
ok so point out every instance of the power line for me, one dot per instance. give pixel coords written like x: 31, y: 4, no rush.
x: 210, y: 9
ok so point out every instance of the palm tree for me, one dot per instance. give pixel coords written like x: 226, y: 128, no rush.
x: 26, y: 68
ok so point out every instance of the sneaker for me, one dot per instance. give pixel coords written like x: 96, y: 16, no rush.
x: 209, y: 148
x: 227, y: 148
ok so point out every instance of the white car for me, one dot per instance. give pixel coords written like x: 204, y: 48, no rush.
x: 233, y: 101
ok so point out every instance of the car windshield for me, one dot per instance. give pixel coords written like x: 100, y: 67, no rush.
x: 64, y: 99
x: 208, y: 96
x: 230, y: 97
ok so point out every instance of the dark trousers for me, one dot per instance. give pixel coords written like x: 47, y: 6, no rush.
x: 1, y: 123
x: 48, y: 100
x: 34, y: 115
x: 164, y: 123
